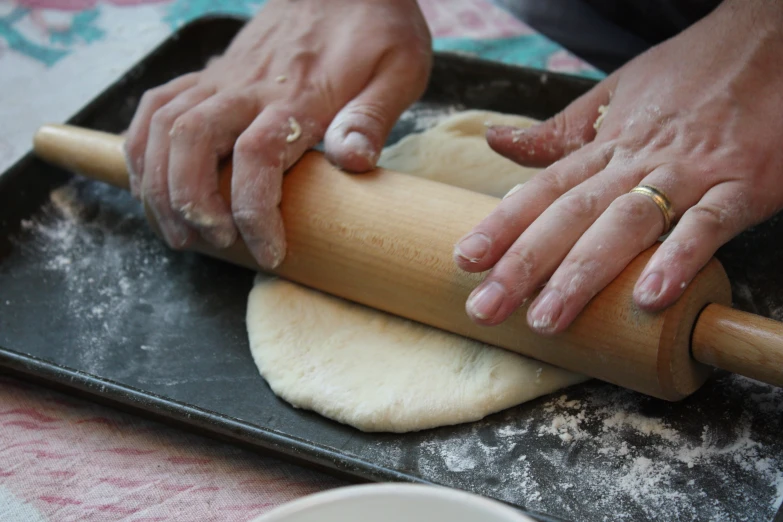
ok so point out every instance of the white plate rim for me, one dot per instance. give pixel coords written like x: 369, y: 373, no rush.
x: 306, y: 503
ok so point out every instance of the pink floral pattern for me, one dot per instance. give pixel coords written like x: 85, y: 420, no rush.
x: 69, y: 459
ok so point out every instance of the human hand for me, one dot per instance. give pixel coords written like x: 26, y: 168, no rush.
x: 298, y: 72
x: 699, y: 118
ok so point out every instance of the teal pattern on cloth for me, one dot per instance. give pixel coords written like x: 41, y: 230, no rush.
x: 83, y: 29
x: 531, y: 50
x: 180, y: 12
x: 17, y: 41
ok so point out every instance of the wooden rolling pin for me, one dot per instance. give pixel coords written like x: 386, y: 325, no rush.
x: 385, y: 240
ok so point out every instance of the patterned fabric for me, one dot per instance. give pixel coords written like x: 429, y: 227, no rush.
x: 63, y: 459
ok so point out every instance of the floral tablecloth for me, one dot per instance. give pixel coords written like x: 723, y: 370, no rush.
x: 65, y: 459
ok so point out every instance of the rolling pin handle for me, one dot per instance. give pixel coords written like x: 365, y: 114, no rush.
x: 739, y: 342
x: 94, y: 154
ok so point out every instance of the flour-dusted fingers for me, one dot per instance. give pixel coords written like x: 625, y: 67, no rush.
x: 155, y: 185
x: 200, y: 138
x: 358, y: 132
x: 546, y: 243
x: 271, y: 144
x: 543, y: 144
x: 723, y: 212
x: 633, y: 222
x: 482, y: 247
x: 138, y: 132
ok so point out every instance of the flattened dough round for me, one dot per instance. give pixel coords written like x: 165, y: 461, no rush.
x: 379, y: 372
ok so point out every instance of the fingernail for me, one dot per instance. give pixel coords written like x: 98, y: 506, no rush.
x: 546, y: 310
x: 648, y: 291
x: 513, y: 190
x: 473, y: 248
x: 276, y: 255
x: 217, y: 229
x: 358, y: 144
x: 175, y: 234
x: 268, y: 255
x: 220, y: 237
x: 485, y: 303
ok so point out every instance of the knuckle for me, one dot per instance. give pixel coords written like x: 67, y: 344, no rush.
x: 248, y: 145
x: 153, y: 98
x: 189, y: 126
x: 523, y: 266
x: 155, y: 187
x: 418, y: 53
x: 180, y: 200
x: 578, y: 206
x: 553, y: 181
x: 711, y: 215
x: 606, y: 152
x: 254, y: 142
x: 632, y: 210
x: 199, y: 213
x: 156, y: 198
x: 373, y: 114
x: 249, y: 220
x: 165, y: 116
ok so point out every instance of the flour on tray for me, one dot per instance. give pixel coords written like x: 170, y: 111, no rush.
x: 104, y: 263
x: 594, y: 453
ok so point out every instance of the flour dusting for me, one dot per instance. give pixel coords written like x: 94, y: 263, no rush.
x: 610, y: 446
x: 423, y: 116
x: 101, y: 259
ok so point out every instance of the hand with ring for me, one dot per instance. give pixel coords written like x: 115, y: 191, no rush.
x: 689, y: 137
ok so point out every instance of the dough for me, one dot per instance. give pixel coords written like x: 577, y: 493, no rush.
x: 455, y: 152
x: 379, y: 372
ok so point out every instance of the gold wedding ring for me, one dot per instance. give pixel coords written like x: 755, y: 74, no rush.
x: 660, y: 199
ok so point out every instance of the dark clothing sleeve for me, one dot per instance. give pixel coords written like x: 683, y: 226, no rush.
x: 608, y: 33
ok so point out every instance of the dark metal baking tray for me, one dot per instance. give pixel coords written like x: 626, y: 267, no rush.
x: 90, y: 301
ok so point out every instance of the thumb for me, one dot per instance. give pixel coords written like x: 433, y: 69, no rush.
x: 356, y: 136
x: 544, y: 143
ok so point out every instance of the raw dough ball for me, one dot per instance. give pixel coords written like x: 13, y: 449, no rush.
x: 455, y: 152
x: 379, y: 372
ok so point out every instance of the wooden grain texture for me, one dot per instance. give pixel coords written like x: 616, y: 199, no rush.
x: 741, y: 343
x: 385, y: 240
x: 94, y: 154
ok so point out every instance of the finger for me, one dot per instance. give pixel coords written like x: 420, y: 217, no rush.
x: 155, y: 186
x: 720, y: 215
x: 199, y: 139
x: 480, y: 249
x: 543, y: 144
x: 138, y: 132
x: 543, y: 246
x: 631, y: 224
x: 271, y: 144
x: 356, y: 135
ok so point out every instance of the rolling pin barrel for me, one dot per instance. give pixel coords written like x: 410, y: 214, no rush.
x: 385, y: 240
